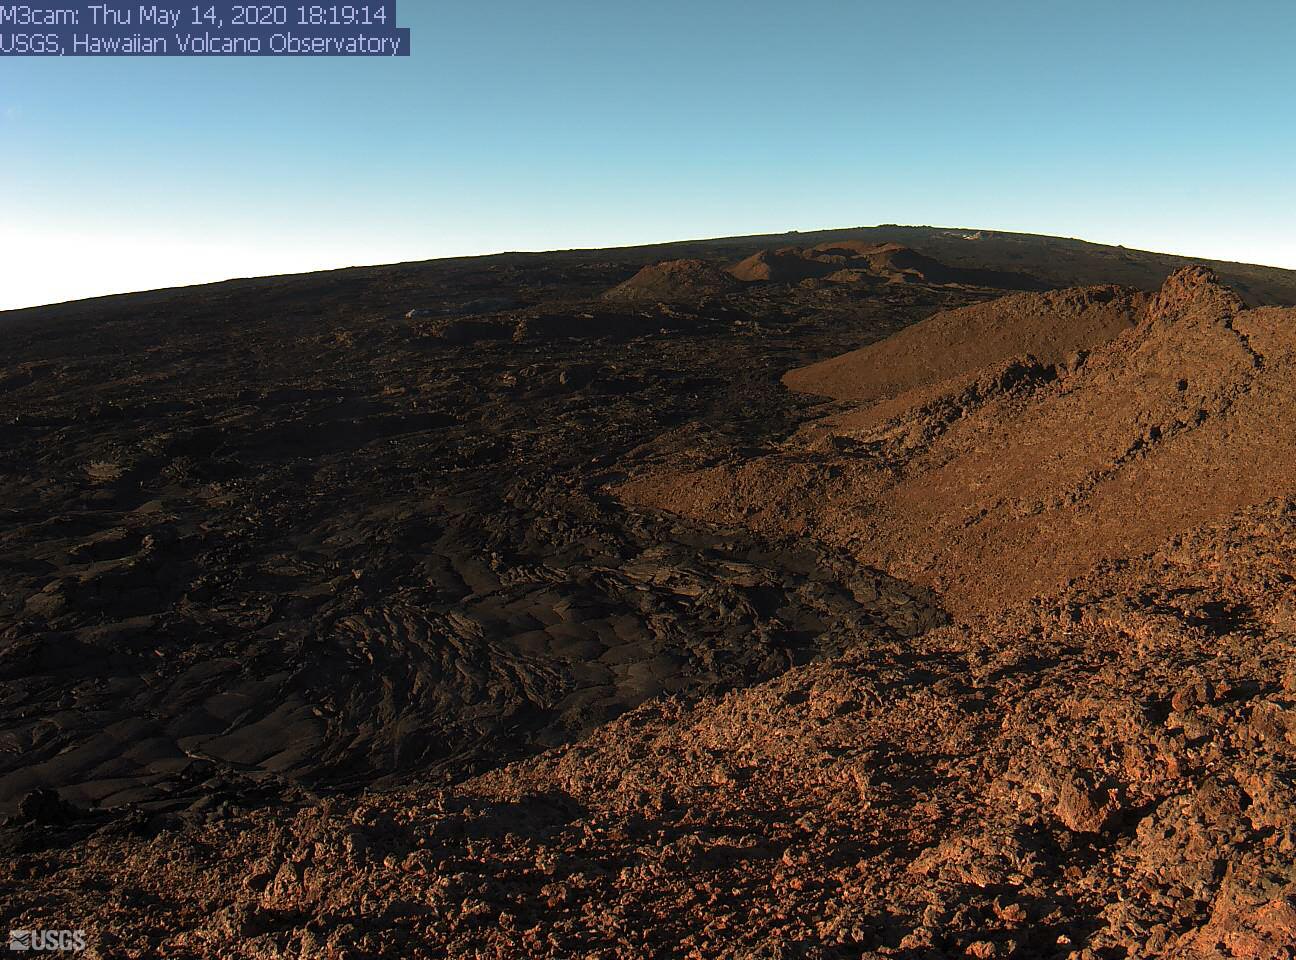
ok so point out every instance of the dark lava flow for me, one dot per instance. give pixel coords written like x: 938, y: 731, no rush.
x: 273, y: 537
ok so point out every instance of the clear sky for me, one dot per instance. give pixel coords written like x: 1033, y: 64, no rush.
x: 541, y: 125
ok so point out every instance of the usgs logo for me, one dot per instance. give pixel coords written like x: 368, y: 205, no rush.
x: 67, y: 941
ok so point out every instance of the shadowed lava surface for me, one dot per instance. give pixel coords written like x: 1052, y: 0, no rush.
x: 248, y: 546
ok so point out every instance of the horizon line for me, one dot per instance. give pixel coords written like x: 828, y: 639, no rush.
x: 8, y: 311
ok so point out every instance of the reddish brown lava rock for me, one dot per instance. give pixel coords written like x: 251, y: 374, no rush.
x: 673, y: 280
x: 1004, y: 482
x: 1051, y: 327
x: 786, y: 265
x: 1086, y: 810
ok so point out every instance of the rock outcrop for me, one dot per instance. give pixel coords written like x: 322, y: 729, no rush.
x: 675, y: 280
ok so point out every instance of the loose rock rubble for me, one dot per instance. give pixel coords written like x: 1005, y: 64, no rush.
x: 1108, y: 772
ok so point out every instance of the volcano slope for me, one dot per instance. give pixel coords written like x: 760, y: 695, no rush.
x: 1005, y: 481
x: 1050, y: 327
x: 860, y: 260
x: 302, y: 575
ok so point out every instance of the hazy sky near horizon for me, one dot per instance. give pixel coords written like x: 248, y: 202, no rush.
x: 529, y: 126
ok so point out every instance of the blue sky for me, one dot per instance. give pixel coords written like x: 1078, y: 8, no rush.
x: 1163, y: 125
